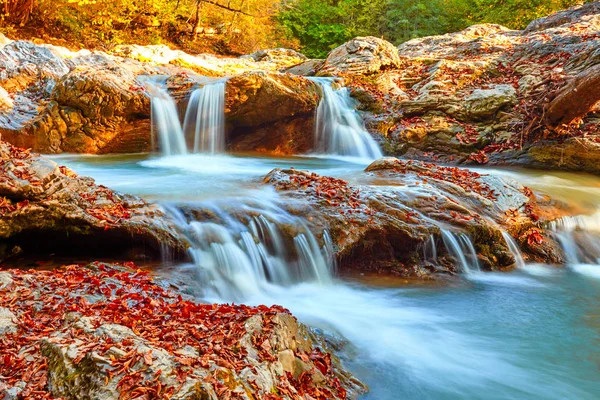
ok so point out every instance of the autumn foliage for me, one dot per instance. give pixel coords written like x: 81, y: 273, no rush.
x: 43, y: 301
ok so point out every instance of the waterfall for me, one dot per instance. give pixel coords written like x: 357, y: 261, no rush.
x: 338, y: 128
x: 430, y: 250
x: 252, y: 245
x: 579, y: 237
x: 205, y: 118
x: 165, y: 121
x: 461, y: 248
x: 514, y: 249
x: 204, y: 121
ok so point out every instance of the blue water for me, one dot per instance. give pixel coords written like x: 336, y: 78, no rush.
x: 529, y: 334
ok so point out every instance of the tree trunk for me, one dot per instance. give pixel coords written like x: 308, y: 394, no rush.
x: 196, y: 28
x: 575, y: 100
x: 16, y: 11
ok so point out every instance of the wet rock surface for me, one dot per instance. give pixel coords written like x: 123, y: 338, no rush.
x: 47, y: 209
x: 110, y: 332
x: 477, y: 96
x: 416, y: 207
x: 362, y: 55
x: 53, y: 100
x: 271, y: 112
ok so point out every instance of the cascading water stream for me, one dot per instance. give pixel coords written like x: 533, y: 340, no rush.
x: 164, y: 117
x: 253, y: 245
x: 510, y: 335
x: 461, y: 248
x: 579, y: 238
x: 514, y: 249
x: 205, y: 118
x: 339, y: 129
x: 204, y: 122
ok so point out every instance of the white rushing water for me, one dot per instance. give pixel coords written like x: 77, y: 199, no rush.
x: 166, y: 126
x: 251, y: 250
x: 203, y: 129
x: 579, y: 236
x: 514, y: 335
x: 461, y: 248
x: 251, y: 245
x: 338, y: 128
x: 514, y: 249
x: 205, y: 118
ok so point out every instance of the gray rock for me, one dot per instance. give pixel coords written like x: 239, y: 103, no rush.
x: 5, y: 280
x: 7, y: 321
x: 362, y: 55
x: 485, y: 103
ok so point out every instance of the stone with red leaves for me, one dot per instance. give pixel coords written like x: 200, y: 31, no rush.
x: 385, y: 228
x: 481, y: 94
x: 138, y: 339
x: 48, y: 209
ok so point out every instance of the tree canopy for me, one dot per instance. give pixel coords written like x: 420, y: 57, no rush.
x: 241, y: 26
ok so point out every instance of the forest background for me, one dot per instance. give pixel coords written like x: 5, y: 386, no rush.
x: 234, y: 27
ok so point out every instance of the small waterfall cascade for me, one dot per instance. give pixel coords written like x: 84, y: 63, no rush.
x: 514, y: 249
x: 205, y: 118
x: 166, y: 126
x: 579, y: 236
x: 339, y: 129
x: 430, y: 250
x: 203, y: 128
x: 246, y: 247
x: 461, y: 248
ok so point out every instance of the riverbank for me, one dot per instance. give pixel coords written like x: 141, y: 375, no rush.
x: 111, y: 332
x: 261, y: 181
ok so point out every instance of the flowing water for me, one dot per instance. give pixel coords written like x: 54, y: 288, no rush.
x: 205, y: 118
x: 529, y: 334
x: 203, y: 128
x: 339, y: 129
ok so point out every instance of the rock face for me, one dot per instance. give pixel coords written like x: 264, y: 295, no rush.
x: 94, y: 110
x: 53, y: 100
x: 88, y: 341
x: 281, y: 57
x: 420, y: 207
x: 362, y: 55
x: 271, y: 112
x: 477, y: 96
x: 48, y: 209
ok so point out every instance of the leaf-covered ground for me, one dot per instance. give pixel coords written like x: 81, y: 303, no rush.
x: 202, y: 342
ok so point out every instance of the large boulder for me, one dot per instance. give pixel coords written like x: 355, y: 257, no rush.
x: 284, y: 58
x: 48, y: 209
x: 410, y: 232
x: 95, y: 110
x: 572, y: 15
x: 109, y: 332
x: 361, y: 56
x: 24, y: 63
x: 271, y: 112
x: 485, y: 103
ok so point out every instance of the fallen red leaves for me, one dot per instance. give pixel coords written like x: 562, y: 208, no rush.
x: 41, y: 301
x: 335, y: 192
x: 535, y: 237
x: 468, y: 180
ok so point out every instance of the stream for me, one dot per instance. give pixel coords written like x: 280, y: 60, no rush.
x: 529, y: 334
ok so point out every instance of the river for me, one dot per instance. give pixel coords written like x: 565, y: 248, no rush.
x: 529, y: 334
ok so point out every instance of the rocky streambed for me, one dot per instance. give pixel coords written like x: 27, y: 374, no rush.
x: 110, y: 332
x: 307, y: 233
